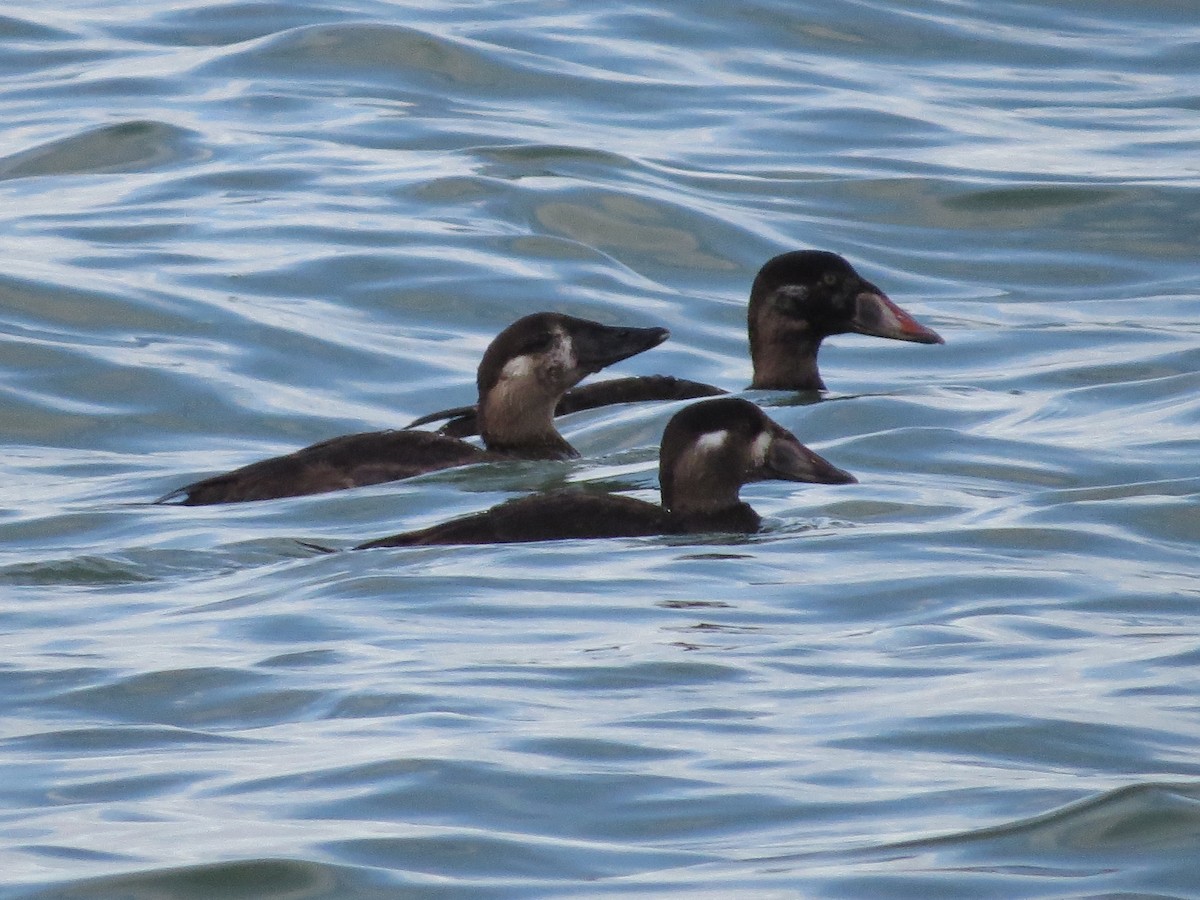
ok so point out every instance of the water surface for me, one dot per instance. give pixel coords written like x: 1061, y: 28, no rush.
x: 234, y: 229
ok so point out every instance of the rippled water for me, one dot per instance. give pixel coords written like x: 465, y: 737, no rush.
x: 234, y: 229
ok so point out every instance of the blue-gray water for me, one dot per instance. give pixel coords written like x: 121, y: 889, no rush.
x: 232, y: 229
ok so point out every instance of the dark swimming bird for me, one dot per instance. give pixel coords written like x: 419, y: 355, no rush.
x: 797, y: 300
x: 709, y: 450
x: 521, y: 377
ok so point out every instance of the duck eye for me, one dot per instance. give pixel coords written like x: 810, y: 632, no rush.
x: 539, y: 342
x: 830, y: 279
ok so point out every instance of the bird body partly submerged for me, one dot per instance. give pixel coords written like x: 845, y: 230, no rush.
x: 462, y: 421
x: 708, y: 451
x: 797, y: 300
x: 560, y: 515
x: 521, y: 377
x: 352, y: 460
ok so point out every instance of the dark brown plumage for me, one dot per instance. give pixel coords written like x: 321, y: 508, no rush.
x: 797, y: 300
x: 352, y: 460
x: 521, y: 377
x: 463, y: 422
x: 708, y: 451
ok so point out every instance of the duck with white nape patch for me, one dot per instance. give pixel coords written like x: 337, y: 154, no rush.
x: 521, y: 377
x: 797, y: 300
x: 708, y: 451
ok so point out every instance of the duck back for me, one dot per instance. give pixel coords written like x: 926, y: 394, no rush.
x: 560, y: 515
x: 352, y: 460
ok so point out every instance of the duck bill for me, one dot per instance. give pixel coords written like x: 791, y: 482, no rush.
x: 789, y: 460
x: 597, y: 346
x: 878, y: 316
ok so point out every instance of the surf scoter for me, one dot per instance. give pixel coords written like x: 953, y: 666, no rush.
x: 709, y: 450
x: 521, y: 377
x: 797, y: 300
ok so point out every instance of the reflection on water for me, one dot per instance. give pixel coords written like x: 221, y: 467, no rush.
x: 233, y: 230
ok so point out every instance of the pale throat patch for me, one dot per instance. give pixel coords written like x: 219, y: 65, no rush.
x: 520, y: 406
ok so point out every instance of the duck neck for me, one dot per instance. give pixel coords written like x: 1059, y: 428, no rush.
x: 789, y: 364
x: 700, y: 493
x: 740, y: 517
x: 519, y: 422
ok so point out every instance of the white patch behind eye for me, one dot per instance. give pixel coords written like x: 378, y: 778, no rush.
x: 518, y: 367
x: 712, y: 440
x: 563, y: 351
x: 760, y: 448
x: 559, y: 357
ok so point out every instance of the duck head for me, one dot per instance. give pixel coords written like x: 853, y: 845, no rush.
x: 710, y: 449
x: 532, y: 363
x: 800, y: 298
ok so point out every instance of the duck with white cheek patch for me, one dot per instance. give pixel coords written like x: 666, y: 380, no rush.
x: 708, y: 451
x: 521, y: 377
x: 797, y: 300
